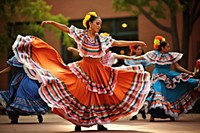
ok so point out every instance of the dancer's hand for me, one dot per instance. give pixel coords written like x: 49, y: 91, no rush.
x: 70, y: 48
x: 45, y: 22
x: 143, y: 44
x: 192, y: 74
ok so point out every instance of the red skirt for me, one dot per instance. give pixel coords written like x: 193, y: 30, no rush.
x: 85, y: 92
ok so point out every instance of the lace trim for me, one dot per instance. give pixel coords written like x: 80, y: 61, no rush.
x: 183, y: 105
x: 170, y: 83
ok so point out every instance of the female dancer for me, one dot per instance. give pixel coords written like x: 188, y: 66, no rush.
x: 22, y: 97
x: 135, y: 51
x: 85, y: 92
x: 173, y: 92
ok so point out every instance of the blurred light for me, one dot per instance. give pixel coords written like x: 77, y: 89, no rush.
x: 124, y: 25
x: 122, y: 52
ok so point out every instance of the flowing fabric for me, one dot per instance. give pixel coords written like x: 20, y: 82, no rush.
x: 85, y: 92
x: 173, y: 93
x: 22, y: 98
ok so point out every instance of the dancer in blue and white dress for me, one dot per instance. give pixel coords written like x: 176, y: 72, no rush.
x: 135, y: 51
x: 174, y: 92
x: 22, y: 98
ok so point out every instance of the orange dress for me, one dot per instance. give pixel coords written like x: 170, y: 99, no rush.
x: 85, y: 92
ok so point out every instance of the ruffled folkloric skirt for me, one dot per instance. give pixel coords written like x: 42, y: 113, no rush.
x: 85, y: 92
x: 22, y: 98
x: 173, y: 94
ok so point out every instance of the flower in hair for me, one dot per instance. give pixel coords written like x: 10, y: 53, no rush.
x: 93, y: 14
x: 131, y: 47
x: 157, y: 41
x: 105, y: 34
x: 87, y: 17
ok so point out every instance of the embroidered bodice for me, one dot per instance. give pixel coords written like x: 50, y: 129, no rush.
x: 87, y: 47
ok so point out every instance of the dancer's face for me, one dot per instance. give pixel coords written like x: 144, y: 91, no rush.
x: 138, y: 51
x: 166, y: 48
x: 96, y: 25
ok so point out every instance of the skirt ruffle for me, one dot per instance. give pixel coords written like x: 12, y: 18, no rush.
x: 85, y: 92
x: 170, y: 82
x: 173, y: 95
x: 24, y: 100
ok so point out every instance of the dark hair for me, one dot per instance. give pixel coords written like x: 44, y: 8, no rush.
x: 135, y: 47
x: 92, y: 18
x: 98, y: 39
x: 162, y: 44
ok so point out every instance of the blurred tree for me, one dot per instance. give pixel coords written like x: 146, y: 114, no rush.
x: 154, y: 10
x: 24, y: 17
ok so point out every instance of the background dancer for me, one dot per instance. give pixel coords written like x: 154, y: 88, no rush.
x: 22, y: 98
x: 174, y: 92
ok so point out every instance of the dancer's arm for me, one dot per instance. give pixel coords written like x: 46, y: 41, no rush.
x: 5, y: 70
x: 60, y: 26
x: 120, y: 43
x: 73, y: 49
x: 122, y: 57
x: 180, y: 68
x: 141, y: 57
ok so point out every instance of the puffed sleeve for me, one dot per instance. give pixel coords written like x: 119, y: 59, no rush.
x: 77, y: 34
x: 106, y: 41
